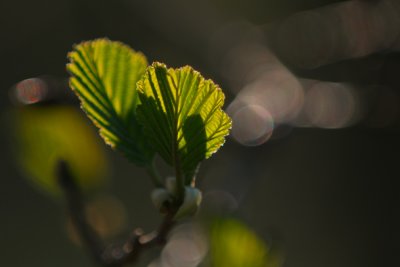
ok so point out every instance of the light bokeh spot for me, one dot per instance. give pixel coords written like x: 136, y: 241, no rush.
x: 331, y: 105
x: 105, y: 214
x: 30, y: 91
x: 186, y: 247
x: 252, y: 125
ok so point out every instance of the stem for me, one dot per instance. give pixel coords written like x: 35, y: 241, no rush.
x: 180, y: 179
x: 155, y: 176
x: 180, y: 182
x: 115, y: 255
x: 76, y: 210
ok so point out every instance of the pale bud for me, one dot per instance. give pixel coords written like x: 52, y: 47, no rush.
x: 159, y: 196
x: 191, y: 202
x: 170, y: 185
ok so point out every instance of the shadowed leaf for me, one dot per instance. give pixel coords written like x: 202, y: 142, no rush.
x: 182, y: 116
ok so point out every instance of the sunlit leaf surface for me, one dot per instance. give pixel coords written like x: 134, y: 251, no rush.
x: 104, y: 76
x: 45, y: 135
x: 182, y: 116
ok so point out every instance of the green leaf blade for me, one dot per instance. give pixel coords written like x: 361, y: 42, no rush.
x: 234, y: 244
x: 47, y: 134
x: 104, y: 74
x: 182, y: 115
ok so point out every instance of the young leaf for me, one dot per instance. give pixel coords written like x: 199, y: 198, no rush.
x: 182, y: 116
x: 104, y: 76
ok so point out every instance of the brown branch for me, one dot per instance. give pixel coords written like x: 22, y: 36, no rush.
x: 113, y: 255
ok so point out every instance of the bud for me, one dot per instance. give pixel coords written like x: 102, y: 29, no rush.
x: 170, y: 185
x: 190, y: 204
x: 159, y: 196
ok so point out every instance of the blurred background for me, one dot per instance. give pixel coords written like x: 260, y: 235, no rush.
x: 311, y: 166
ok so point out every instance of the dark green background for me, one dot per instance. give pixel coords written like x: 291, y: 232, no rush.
x: 325, y: 197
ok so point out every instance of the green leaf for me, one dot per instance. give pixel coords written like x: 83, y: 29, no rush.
x: 233, y: 244
x: 45, y: 135
x: 104, y: 76
x: 182, y: 116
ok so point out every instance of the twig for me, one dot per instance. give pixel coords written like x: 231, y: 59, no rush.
x: 113, y: 255
x: 77, y: 212
x: 155, y: 176
x: 131, y: 248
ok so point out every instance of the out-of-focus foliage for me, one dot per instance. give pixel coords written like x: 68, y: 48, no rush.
x: 47, y: 134
x: 104, y: 76
x: 233, y: 244
x: 182, y: 116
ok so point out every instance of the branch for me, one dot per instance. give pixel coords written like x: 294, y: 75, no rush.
x: 112, y: 255
x: 77, y: 212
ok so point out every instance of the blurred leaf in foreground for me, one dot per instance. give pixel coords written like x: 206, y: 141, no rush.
x: 182, y: 116
x: 104, y: 74
x: 44, y: 135
x: 233, y: 244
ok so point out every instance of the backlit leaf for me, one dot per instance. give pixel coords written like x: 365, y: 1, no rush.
x: 182, y: 116
x: 104, y: 76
